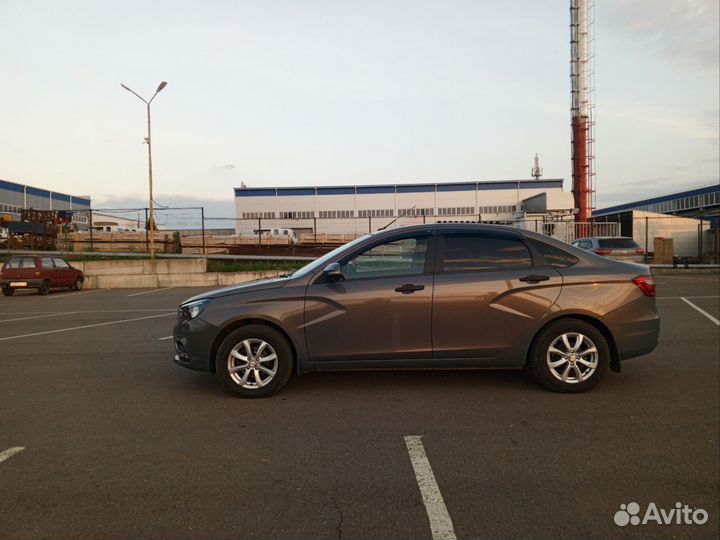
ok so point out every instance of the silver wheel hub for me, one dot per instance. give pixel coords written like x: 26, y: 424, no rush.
x: 572, y: 357
x: 252, y: 363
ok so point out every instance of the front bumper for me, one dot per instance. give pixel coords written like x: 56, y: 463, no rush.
x: 13, y: 283
x: 193, y: 341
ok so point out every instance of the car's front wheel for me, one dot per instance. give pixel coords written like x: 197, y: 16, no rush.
x: 44, y: 287
x: 569, y: 355
x: 254, y: 361
x: 78, y: 284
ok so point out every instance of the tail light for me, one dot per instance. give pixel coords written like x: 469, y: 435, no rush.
x: 640, y: 251
x: 603, y: 251
x: 646, y: 284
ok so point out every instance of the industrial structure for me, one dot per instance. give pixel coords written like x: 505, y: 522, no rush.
x: 14, y: 198
x: 582, y: 89
x: 690, y: 217
x: 363, y: 208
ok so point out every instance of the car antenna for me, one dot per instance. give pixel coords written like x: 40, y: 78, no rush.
x: 394, y: 220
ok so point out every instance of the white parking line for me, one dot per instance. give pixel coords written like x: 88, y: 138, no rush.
x: 699, y: 310
x: 37, y: 317
x: 53, y: 296
x: 149, y: 292
x: 164, y: 338
x: 10, y: 452
x: 678, y: 297
x: 441, y: 525
x: 85, y: 326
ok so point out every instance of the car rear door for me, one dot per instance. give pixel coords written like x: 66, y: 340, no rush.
x: 488, y: 291
x: 48, y: 271
x: 380, y: 311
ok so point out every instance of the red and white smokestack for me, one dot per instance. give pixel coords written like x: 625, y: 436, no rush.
x: 581, y: 78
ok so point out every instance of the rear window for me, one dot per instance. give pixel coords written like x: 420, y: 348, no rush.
x: 617, y: 243
x: 467, y: 253
x: 556, y: 257
x: 21, y: 262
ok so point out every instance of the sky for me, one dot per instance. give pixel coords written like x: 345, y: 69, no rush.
x: 305, y: 92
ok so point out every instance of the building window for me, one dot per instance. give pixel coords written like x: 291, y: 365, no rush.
x: 375, y: 213
x: 415, y: 212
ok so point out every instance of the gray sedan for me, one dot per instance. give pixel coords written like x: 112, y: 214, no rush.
x: 429, y: 296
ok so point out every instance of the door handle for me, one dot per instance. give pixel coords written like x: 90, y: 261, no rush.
x: 534, y: 278
x: 409, y: 288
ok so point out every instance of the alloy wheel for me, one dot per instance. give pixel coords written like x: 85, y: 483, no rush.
x: 572, y: 357
x: 252, y: 363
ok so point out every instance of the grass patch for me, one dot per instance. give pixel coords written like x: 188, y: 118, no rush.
x: 216, y: 265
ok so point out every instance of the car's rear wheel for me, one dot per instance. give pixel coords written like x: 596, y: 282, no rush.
x: 78, y: 284
x: 8, y: 291
x: 569, y: 355
x: 45, y: 287
x: 254, y: 361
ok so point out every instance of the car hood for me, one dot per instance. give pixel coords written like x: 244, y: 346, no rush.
x: 248, y: 286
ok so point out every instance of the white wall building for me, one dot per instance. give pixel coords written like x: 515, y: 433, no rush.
x: 364, y: 208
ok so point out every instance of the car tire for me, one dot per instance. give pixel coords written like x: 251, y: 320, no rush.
x: 44, y: 288
x: 569, y: 356
x: 78, y: 284
x: 8, y: 291
x: 270, y: 360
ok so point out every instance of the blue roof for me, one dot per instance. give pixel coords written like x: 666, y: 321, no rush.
x: 401, y: 188
x: 20, y: 188
x: 664, y: 198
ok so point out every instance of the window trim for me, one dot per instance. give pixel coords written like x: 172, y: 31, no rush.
x: 430, y: 257
x: 534, y: 256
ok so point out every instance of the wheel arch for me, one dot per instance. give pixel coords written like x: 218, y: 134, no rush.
x: 246, y: 322
x: 595, y: 322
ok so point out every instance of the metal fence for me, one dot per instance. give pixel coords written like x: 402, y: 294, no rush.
x: 190, y: 231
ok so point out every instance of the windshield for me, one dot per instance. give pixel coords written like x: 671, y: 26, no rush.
x: 315, y: 265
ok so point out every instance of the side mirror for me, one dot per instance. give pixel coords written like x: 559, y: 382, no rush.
x: 332, y: 272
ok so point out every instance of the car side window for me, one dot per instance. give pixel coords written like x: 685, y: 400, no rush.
x: 555, y: 257
x: 60, y: 263
x: 14, y: 262
x: 28, y: 262
x: 404, y: 257
x: 472, y: 252
x: 47, y: 263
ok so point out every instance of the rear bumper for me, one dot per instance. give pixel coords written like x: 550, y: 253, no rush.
x: 635, y: 327
x: 29, y: 283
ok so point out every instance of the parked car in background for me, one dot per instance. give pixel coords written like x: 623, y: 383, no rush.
x: 41, y: 272
x: 620, y: 248
x: 427, y: 296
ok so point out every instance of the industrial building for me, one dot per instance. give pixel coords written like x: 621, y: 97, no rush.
x: 690, y: 217
x: 16, y: 197
x: 363, y: 208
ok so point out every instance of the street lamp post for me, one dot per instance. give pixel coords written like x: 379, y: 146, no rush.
x: 151, y: 221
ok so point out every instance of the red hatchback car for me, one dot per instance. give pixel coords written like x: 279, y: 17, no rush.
x: 42, y: 272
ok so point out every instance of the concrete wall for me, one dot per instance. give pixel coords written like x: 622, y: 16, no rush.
x: 142, y: 267
x: 207, y: 279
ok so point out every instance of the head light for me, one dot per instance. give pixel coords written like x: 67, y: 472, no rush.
x: 192, y: 309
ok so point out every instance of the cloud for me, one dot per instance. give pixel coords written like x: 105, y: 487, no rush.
x: 683, y: 30
x: 228, y: 167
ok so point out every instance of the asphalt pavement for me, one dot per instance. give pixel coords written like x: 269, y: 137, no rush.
x: 118, y: 442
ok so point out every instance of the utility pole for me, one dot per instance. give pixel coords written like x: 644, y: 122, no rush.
x: 148, y: 140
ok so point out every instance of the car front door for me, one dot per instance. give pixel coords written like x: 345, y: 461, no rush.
x: 487, y: 293
x: 379, y: 310
x: 65, y: 275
